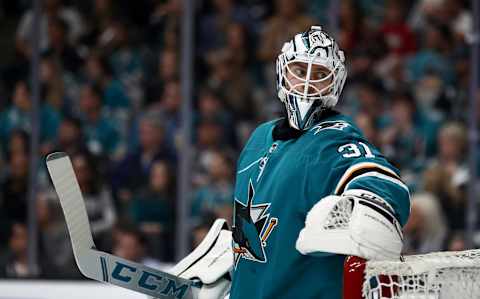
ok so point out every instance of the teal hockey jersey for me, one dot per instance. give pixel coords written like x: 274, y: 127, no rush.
x: 277, y: 183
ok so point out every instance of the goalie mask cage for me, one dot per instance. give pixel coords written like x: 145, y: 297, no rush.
x: 440, y: 275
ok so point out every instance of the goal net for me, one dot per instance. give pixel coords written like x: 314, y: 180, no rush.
x: 440, y: 275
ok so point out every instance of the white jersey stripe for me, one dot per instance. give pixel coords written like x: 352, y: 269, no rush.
x: 364, y: 165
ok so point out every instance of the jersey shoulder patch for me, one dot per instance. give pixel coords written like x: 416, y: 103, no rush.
x: 330, y: 125
x: 328, y: 135
x: 336, y: 127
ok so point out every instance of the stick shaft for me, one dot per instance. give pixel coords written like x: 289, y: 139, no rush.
x: 99, y: 265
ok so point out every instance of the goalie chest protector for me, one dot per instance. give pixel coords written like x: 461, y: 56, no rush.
x: 277, y: 183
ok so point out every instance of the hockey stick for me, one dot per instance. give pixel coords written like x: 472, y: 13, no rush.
x: 99, y: 265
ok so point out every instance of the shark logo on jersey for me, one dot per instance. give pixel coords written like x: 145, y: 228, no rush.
x: 336, y: 125
x: 252, y: 226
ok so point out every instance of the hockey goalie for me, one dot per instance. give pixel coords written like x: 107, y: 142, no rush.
x: 310, y: 190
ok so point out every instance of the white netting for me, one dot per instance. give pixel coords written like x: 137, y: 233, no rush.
x: 340, y: 215
x: 441, y: 275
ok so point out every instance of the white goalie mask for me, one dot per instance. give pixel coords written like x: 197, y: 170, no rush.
x: 310, y: 76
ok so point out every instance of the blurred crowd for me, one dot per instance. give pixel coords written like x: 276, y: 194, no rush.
x: 111, y: 98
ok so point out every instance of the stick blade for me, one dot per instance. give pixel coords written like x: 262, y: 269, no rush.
x: 55, y: 156
x: 65, y: 182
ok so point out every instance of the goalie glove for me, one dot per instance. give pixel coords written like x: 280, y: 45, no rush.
x: 358, y: 223
x: 210, y: 263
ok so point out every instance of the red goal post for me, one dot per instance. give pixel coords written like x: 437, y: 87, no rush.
x: 353, y: 274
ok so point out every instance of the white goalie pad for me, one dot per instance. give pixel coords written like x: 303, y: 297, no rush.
x: 210, y: 263
x: 358, y: 223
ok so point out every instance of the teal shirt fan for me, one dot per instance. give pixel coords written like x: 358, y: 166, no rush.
x: 277, y: 183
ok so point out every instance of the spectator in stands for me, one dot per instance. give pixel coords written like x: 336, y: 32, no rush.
x: 51, y: 78
x: 17, y: 116
x: 14, y: 264
x: 361, y: 65
x: 70, y: 137
x: 432, y: 96
x: 170, y: 106
x: 153, y: 204
x: 54, y: 243
x: 229, y: 75
x: 131, y: 174
x: 101, y: 14
x: 424, y: 11
x: 452, y: 13
x: 14, y: 186
x: 130, y: 243
x: 152, y: 210
x: 19, y: 142
x: 396, y: 33
x: 366, y: 124
x: 237, y: 42
x: 168, y: 65
x: 210, y: 135
x: 164, y: 24
x: 60, y: 48
x: 102, y: 137
x: 216, y: 195
x: 399, y: 43
x: 99, y: 72
x: 97, y: 197
x: 368, y: 99
x: 214, y: 26
x: 51, y: 9
x: 116, y: 102
x: 403, y: 141
x: 167, y: 70
x: 459, y: 19
x: 350, y: 18
x: 393, y: 74
x: 447, y: 175
x: 426, y: 229
x: 124, y: 57
x: 432, y: 57
x: 211, y: 107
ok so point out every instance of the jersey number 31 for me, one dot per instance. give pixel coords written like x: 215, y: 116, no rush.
x: 352, y: 150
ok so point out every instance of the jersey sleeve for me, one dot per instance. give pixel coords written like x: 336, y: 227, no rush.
x: 380, y: 179
x: 354, y: 163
